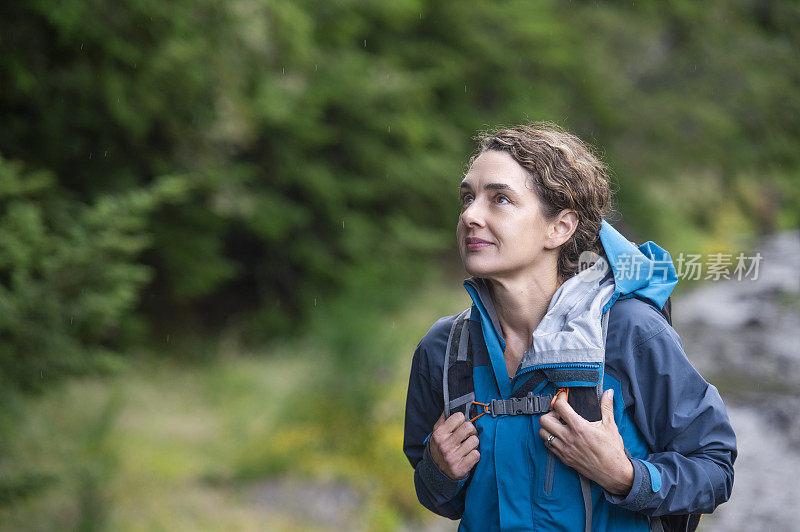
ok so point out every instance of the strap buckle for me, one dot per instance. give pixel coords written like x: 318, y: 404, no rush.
x: 529, y: 405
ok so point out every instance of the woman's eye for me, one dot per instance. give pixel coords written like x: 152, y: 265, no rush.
x: 466, y: 199
x: 501, y: 198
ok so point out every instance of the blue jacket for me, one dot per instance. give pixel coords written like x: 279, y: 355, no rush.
x: 673, y: 423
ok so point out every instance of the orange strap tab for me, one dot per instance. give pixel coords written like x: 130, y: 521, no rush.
x: 566, y: 393
x: 485, y: 410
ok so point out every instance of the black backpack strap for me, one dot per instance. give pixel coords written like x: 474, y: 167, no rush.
x: 457, y: 386
x: 529, y: 385
x: 666, y: 310
x: 584, y: 400
x: 676, y: 523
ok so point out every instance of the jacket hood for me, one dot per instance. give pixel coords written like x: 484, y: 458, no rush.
x: 645, y: 271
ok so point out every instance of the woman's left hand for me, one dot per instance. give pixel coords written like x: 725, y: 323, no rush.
x: 593, y: 448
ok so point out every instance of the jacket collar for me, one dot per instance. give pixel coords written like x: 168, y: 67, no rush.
x: 571, y: 330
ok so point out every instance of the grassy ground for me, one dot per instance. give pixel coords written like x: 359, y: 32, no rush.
x: 167, y: 445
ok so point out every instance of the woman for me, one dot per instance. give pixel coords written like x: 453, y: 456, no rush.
x: 533, y: 202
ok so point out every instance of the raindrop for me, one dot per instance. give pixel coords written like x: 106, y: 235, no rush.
x: 167, y: 338
x: 70, y: 319
x: 283, y: 70
x: 342, y: 224
x: 365, y: 43
x: 389, y: 128
x: 316, y: 67
x: 315, y: 301
x: 90, y: 155
x: 465, y: 88
x: 105, y: 153
x: 81, y: 46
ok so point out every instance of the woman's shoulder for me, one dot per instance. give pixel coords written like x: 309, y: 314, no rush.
x: 436, y: 338
x: 636, y: 321
x: 431, y: 349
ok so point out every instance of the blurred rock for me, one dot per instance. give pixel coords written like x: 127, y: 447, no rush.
x: 745, y: 334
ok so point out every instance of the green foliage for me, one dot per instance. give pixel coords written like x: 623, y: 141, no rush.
x: 324, y: 141
x: 57, y: 463
x: 68, y: 273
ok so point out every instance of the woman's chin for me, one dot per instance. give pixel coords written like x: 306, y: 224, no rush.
x: 476, y: 269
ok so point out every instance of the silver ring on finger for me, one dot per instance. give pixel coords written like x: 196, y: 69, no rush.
x: 550, y: 440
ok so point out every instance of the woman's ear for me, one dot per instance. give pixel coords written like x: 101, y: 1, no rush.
x: 561, y: 229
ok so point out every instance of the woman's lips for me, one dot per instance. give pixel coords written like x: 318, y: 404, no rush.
x: 474, y: 244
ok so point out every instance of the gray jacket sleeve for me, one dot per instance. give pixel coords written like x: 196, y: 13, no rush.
x: 684, y: 423
x: 424, y: 404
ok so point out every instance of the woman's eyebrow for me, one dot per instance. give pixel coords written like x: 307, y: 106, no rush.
x: 488, y: 186
x: 497, y: 186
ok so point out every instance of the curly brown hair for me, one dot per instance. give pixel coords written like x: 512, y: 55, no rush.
x: 565, y: 174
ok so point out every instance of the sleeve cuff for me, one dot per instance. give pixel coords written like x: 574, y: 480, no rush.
x: 439, y: 483
x: 642, y: 490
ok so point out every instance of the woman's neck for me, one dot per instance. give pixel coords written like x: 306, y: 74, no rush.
x: 521, y: 303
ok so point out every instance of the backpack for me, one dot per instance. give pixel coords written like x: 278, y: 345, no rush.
x: 459, y: 395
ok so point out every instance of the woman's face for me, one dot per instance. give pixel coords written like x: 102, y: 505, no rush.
x: 501, y: 231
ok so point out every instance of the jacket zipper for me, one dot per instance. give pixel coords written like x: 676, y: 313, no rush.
x: 572, y: 365
x: 549, y: 472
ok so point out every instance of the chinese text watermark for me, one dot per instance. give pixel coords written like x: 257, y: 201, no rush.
x: 686, y: 266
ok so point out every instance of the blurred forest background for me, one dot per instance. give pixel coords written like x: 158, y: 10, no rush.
x: 225, y: 225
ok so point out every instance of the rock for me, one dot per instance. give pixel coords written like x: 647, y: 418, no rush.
x: 748, y: 330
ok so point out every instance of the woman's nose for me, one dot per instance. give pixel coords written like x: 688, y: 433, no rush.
x: 472, y: 215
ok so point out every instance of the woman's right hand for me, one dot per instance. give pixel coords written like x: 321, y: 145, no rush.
x: 454, y: 445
